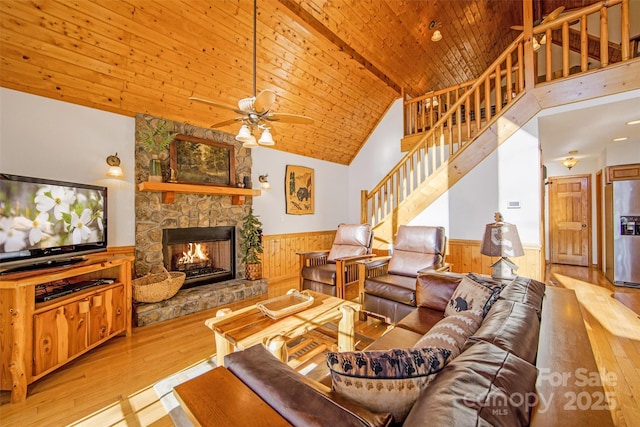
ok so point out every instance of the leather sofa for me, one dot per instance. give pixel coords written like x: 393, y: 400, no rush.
x: 491, y: 382
x: 388, y: 284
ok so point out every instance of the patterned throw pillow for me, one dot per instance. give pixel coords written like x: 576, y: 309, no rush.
x: 471, y: 295
x: 452, y: 332
x: 385, y: 381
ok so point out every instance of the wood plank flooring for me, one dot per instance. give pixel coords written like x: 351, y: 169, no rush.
x: 113, y: 384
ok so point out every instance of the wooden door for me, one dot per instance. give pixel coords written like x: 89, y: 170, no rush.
x: 570, y: 220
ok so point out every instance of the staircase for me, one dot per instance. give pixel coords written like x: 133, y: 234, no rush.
x: 449, y: 132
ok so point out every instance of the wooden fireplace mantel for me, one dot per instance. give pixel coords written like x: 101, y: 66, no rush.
x: 168, y: 190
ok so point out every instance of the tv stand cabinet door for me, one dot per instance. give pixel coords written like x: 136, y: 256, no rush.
x: 59, y: 334
x: 108, y: 314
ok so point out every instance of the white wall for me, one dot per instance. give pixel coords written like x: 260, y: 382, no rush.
x: 509, y: 174
x: 45, y: 138
x: 376, y: 158
x: 330, y: 193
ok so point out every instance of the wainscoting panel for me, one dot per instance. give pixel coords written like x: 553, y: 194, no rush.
x: 466, y: 257
x: 280, y: 262
x: 279, y: 259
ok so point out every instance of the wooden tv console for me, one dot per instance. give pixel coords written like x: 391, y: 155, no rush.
x: 38, y: 337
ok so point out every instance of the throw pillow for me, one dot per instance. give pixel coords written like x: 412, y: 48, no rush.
x: 471, y: 295
x: 386, y: 380
x: 451, y: 333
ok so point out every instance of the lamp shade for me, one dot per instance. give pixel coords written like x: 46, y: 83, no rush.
x: 501, y: 239
x: 266, y: 138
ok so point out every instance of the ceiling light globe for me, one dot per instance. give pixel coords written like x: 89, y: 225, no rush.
x: 266, y: 138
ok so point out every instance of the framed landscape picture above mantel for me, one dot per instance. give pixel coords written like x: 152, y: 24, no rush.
x: 299, y: 190
x: 202, y: 161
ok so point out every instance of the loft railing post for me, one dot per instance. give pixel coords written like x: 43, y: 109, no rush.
x: 364, y: 215
x: 529, y: 65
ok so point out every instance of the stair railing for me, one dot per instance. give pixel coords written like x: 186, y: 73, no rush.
x: 559, y: 32
x: 449, y: 134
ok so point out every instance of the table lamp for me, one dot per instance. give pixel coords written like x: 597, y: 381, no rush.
x: 501, y: 239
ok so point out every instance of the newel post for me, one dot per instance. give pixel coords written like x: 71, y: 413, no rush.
x: 364, y: 215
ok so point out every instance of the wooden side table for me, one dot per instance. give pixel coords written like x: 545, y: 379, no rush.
x: 219, y: 398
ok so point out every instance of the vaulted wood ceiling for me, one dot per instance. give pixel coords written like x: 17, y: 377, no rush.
x: 341, y: 62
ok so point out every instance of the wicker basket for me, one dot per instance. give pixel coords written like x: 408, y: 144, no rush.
x: 157, y: 287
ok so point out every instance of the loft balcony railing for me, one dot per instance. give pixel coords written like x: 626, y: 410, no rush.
x: 440, y: 124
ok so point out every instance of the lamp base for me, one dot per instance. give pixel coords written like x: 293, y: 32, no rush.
x: 504, y: 269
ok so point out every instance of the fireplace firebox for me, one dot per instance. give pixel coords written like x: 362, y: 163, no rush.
x: 205, y: 254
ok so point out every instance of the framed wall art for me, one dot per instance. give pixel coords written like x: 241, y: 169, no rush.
x: 202, y: 161
x: 299, y: 190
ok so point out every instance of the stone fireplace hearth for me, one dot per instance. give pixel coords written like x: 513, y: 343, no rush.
x: 190, y: 212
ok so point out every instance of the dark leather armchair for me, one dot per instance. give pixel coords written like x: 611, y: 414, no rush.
x: 335, y: 272
x: 388, y: 284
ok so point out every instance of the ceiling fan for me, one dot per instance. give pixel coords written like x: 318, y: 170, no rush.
x: 541, y: 39
x: 255, y: 112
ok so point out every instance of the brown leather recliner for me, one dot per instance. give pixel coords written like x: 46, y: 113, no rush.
x: 388, y: 284
x: 334, y: 272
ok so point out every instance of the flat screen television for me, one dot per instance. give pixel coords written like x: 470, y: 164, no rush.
x: 47, y: 223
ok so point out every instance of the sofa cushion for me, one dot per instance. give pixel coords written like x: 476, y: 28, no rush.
x: 351, y: 240
x: 471, y: 295
x: 421, y: 320
x: 434, y: 290
x: 485, y: 385
x: 294, y: 396
x: 511, y: 326
x: 395, y: 288
x: 385, y: 381
x: 526, y: 291
x: 324, y: 273
x: 452, y: 332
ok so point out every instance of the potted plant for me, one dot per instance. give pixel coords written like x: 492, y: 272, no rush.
x: 156, y: 141
x: 251, y: 246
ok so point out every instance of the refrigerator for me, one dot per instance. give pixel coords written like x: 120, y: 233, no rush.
x: 622, y: 232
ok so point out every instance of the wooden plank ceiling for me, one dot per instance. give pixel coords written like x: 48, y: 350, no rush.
x: 341, y: 62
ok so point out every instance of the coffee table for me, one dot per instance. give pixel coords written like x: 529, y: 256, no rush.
x: 246, y: 327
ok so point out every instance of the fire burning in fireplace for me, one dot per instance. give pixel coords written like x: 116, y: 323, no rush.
x: 204, y: 254
x: 195, y: 256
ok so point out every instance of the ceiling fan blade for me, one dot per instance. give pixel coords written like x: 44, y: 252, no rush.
x: 215, y: 104
x: 227, y: 122
x: 289, y: 118
x: 264, y: 100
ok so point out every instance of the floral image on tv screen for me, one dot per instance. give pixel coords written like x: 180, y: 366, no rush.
x: 37, y: 216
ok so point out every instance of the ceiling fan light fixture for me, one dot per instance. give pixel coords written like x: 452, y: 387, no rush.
x: 250, y: 142
x: 244, y: 134
x: 266, y: 138
x: 437, y: 36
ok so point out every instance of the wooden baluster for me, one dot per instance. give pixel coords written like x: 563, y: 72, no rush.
x: 509, y: 81
x: 548, y: 58
x: 584, y: 44
x: 467, y: 112
x: 487, y: 99
x: 477, y: 108
x: 604, y: 37
x: 520, y: 79
x: 396, y: 192
x: 498, y: 90
x: 450, y: 126
x: 565, y: 49
x: 624, y: 22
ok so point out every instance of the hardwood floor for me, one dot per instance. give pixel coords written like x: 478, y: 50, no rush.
x: 113, y: 384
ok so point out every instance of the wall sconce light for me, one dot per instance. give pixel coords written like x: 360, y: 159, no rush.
x: 115, y: 171
x: 501, y: 239
x: 264, y: 182
x: 437, y: 36
x: 570, y: 162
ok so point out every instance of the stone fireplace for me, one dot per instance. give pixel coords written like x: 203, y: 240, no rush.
x: 204, y: 254
x: 190, y: 218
